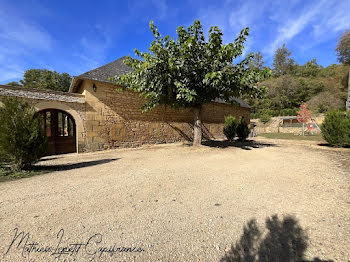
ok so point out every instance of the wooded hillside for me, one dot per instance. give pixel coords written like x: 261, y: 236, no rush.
x: 321, y: 88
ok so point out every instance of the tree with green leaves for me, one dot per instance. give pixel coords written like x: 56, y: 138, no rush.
x: 282, y: 63
x: 336, y: 128
x: 22, y: 135
x: 343, y: 52
x: 189, y: 71
x: 310, y: 68
x: 46, y: 80
x: 343, y: 48
x: 257, y: 62
x: 14, y: 83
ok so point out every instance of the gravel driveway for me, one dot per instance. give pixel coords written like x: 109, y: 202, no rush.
x: 177, y: 203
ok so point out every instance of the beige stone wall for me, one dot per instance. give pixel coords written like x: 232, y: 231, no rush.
x: 275, y: 126
x: 108, y: 119
x: 114, y: 119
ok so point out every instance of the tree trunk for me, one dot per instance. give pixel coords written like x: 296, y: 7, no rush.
x: 303, y: 128
x: 348, y: 100
x: 197, y: 134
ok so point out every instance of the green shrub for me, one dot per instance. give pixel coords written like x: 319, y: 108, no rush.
x: 336, y: 128
x: 254, y: 115
x: 22, y: 135
x: 288, y: 112
x: 264, y: 118
x: 230, y: 127
x: 242, y: 129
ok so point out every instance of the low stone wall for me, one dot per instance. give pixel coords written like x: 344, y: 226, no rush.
x: 114, y: 119
x: 108, y: 119
x: 274, y: 126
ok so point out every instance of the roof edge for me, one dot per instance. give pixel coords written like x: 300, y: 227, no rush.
x: 20, y: 88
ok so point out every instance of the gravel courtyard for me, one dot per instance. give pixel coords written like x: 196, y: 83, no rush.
x: 177, y: 203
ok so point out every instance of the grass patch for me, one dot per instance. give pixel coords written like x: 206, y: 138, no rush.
x: 7, y: 175
x: 287, y: 136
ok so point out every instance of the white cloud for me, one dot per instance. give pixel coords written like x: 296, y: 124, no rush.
x: 289, y: 30
x: 10, y: 72
x: 21, y: 33
x: 232, y: 17
x: 294, y: 26
x: 334, y: 18
x: 273, y: 23
x: 19, y: 39
x: 325, y: 19
x: 245, y: 14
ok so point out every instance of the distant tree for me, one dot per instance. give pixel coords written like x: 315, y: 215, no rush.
x: 343, y: 52
x: 13, y: 83
x: 190, y: 71
x: 257, y: 62
x: 343, y: 48
x: 310, y: 68
x: 334, y: 71
x: 304, y: 115
x: 282, y: 63
x: 325, y: 91
x: 326, y: 101
x: 283, y: 91
x: 46, y: 80
x: 265, y: 118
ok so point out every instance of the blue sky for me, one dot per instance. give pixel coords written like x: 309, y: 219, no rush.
x: 77, y: 36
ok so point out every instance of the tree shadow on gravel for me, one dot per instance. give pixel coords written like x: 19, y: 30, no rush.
x: 283, y: 241
x: 246, y: 145
x: 72, y: 166
x: 332, y: 146
x: 48, y: 159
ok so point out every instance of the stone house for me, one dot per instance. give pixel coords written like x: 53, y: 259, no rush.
x: 94, y: 116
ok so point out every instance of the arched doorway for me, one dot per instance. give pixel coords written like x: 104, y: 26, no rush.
x: 60, y: 130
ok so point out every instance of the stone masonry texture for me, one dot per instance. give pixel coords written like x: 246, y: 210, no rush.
x: 113, y: 118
